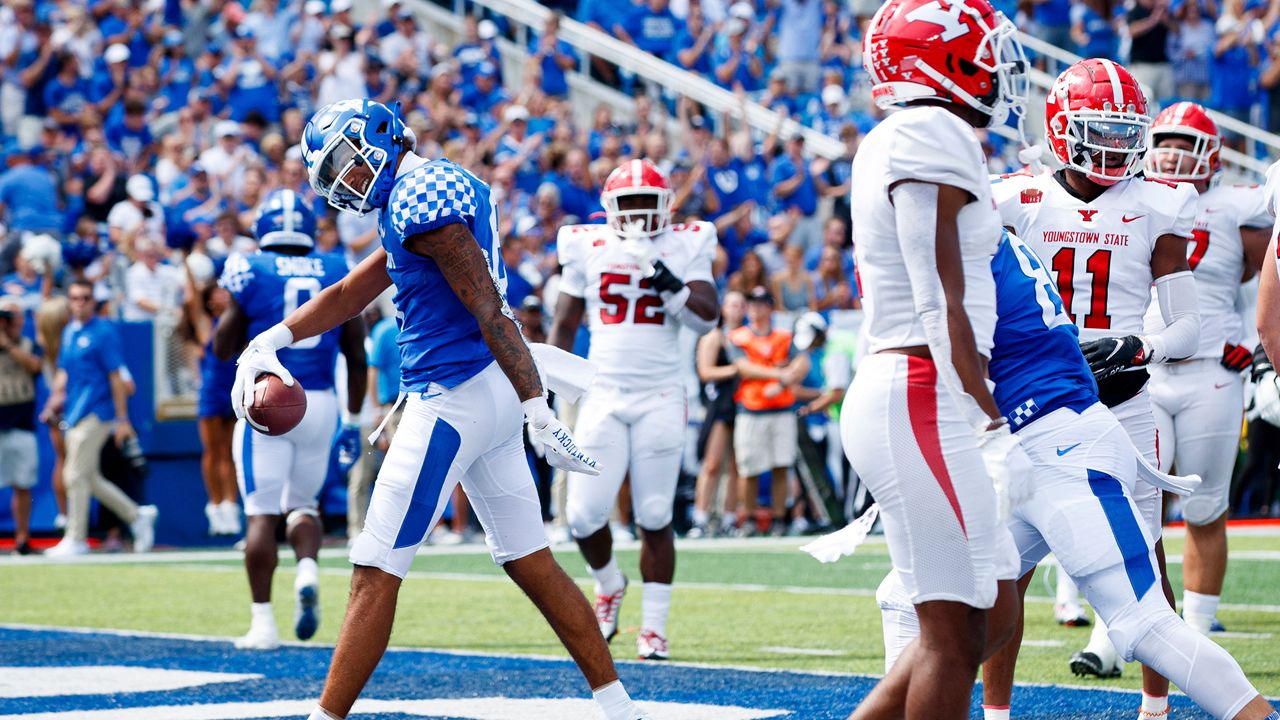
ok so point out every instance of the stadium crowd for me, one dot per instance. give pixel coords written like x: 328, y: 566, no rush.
x: 140, y: 135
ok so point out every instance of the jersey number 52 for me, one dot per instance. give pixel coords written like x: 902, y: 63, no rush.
x: 646, y: 310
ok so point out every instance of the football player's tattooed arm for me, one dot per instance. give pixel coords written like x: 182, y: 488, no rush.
x: 341, y: 301
x: 1176, y: 295
x: 1269, y: 305
x: 1255, y: 240
x: 455, y: 251
x: 927, y: 228
x: 351, y: 340
x: 232, y: 332
x: 565, y: 322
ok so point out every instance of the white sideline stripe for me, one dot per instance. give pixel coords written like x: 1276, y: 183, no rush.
x: 523, y: 656
x: 1240, y: 635
x: 492, y: 708
x: 27, y: 682
x: 812, y: 652
x: 1042, y: 643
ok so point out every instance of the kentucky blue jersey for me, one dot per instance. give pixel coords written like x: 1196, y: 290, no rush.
x: 269, y: 285
x: 440, y: 340
x: 1036, y: 363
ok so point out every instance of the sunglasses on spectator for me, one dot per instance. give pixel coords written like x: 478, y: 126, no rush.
x: 79, y: 297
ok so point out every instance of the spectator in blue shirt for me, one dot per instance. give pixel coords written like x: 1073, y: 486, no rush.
x: 177, y: 74
x: 1053, y: 18
x: 29, y: 195
x: 778, y: 96
x: 485, y: 92
x: 799, y: 28
x: 693, y: 43
x: 1235, y: 59
x: 1093, y: 28
x: 737, y: 60
x: 249, y: 80
x: 652, y: 29
x: 572, y: 175
x: 794, y: 190
x: 108, y: 82
x: 554, y: 56
x: 130, y: 137
x: 518, y: 149
x: 91, y: 392
x: 740, y: 237
x: 725, y: 178
x: 67, y: 94
x: 477, y: 48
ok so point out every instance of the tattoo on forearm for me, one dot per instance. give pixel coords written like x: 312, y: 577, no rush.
x: 460, y: 259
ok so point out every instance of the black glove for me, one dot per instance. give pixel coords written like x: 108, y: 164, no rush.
x: 1236, y: 358
x: 1108, y: 356
x: 663, y: 280
x: 1261, y: 363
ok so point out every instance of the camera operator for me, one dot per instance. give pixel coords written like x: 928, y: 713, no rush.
x: 18, y: 368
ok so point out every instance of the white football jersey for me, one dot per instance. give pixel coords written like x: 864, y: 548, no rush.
x: 1215, y: 253
x: 633, y: 340
x: 1100, y: 251
x: 926, y: 144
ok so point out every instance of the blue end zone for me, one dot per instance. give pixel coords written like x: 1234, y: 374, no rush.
x: 296, y: 673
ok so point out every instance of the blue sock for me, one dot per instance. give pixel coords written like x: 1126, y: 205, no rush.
x: 1273, y: 716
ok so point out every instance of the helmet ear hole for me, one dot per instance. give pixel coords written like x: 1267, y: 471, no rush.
x: 968, y: 68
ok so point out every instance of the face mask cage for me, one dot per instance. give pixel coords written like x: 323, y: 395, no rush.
x: 1107, y: 146
x: 1201, y: 154
x: 340, y: 156
x: 639, y: 222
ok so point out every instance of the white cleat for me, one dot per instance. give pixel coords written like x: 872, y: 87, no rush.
x: 67, y: 548
x: 607, y: 608
x: 213, y: 515
x: 230, y: 512
x: 260, y: 637
x: 651, y: 646
x: 144, y: 529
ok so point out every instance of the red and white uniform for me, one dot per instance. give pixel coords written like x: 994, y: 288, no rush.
x: 1198, y: 403
x: 909, y: 437
x: 1099, y: 253
x: 633, y: 417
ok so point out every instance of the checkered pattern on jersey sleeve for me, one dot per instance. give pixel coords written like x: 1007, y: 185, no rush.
x: 237, y: 275
x: 432, y: 196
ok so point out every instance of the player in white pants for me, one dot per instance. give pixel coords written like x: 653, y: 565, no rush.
x: 635, y: 281
x: 1199, y: 403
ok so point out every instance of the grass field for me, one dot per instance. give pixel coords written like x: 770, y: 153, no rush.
x: 754, y: 603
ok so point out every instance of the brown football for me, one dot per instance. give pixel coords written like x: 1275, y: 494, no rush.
x: 277, y: 408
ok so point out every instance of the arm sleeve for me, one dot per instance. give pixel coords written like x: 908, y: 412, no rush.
x: 1180, y: 310
x: 573, y: 281
x: 432, y: 197
x: 916, y: 208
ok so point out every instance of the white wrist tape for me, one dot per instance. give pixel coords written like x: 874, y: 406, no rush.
x: 1180, y: 309
x: 676, y: 304
x: 276, y: 337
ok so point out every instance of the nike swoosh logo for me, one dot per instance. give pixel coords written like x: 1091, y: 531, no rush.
x: 1216, y: 386
x: 428, y: 397
x: 1064, y: 451
x: 1128, y: 219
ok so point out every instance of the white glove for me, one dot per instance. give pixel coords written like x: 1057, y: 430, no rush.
x: 259, y: 357
x: 638, y: 246
x: 1266, y: 398
x: 561, y: 450
x: 1009, y: 467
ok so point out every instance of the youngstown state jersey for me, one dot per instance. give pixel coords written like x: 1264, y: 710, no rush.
x: 1098, y: 252
x: 268, y: 286
x: 440, y: 340
x: 1036, y: 363
x: 930, y: 145
x: 633, y: 340
x: 1215, y: 253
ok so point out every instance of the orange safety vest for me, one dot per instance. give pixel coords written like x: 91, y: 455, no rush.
x: 770, y: 350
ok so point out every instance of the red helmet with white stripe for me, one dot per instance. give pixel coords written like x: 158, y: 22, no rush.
x: 958, y: 51
x: 1096, y: 121
x: 626, y: 199
x: 1190, y: 122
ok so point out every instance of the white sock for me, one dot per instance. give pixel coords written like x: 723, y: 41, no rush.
x: 1100, y: 643
x: 615, y: 701
x: 1068, y: 593
x: 609, y: 579
x: 654, y: 606
x: 1199, y: 610
x: 262, y: 615
x: 321, y: 714
x: 992, y: 712
x: 729, y: 519
x: 1155, y: 704
x: 701, y: 517
x: 308, y: 573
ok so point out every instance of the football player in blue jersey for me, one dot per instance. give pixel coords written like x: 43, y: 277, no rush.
x: 282, y: 475
x: 466, y: 376
x: 1085, y: 468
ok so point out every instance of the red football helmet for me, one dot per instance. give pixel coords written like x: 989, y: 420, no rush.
x: 637, y: 178
x: 1188, y: 121
x: 1096, y: 121
x: 960, y: 51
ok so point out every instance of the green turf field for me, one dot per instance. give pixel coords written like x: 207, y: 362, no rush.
x: 760, y: 604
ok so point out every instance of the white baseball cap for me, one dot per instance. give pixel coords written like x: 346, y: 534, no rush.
x: 340, y: 5
x: 514, y: 113
x: 116, y: 53
x: 226, y: 128
x: 314, y: 7
x: 487, y: 30
x: 139, y: 188
x: 832, y: 95
x: 742, y: 10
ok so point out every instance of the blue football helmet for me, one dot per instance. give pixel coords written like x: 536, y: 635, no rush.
x: 350, y: 149
x: 284, y: 219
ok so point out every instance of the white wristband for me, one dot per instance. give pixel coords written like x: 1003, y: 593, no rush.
x: 536, y: 408
x: 276, y: 337
x: 349, y: 418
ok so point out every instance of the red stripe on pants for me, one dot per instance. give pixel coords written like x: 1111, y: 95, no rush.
x: 922, y: 407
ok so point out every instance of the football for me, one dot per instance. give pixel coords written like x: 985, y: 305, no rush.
x: 277, y: 408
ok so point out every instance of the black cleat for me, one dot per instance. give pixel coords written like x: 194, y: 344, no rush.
x: 1087, y: 663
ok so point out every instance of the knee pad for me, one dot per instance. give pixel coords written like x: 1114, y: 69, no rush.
x: 653, y: 513
x: 1130, y: 623
x: 299, y: 513
x: 584, y: 522
x: 1205, y: 672
x: 1204, y: 507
